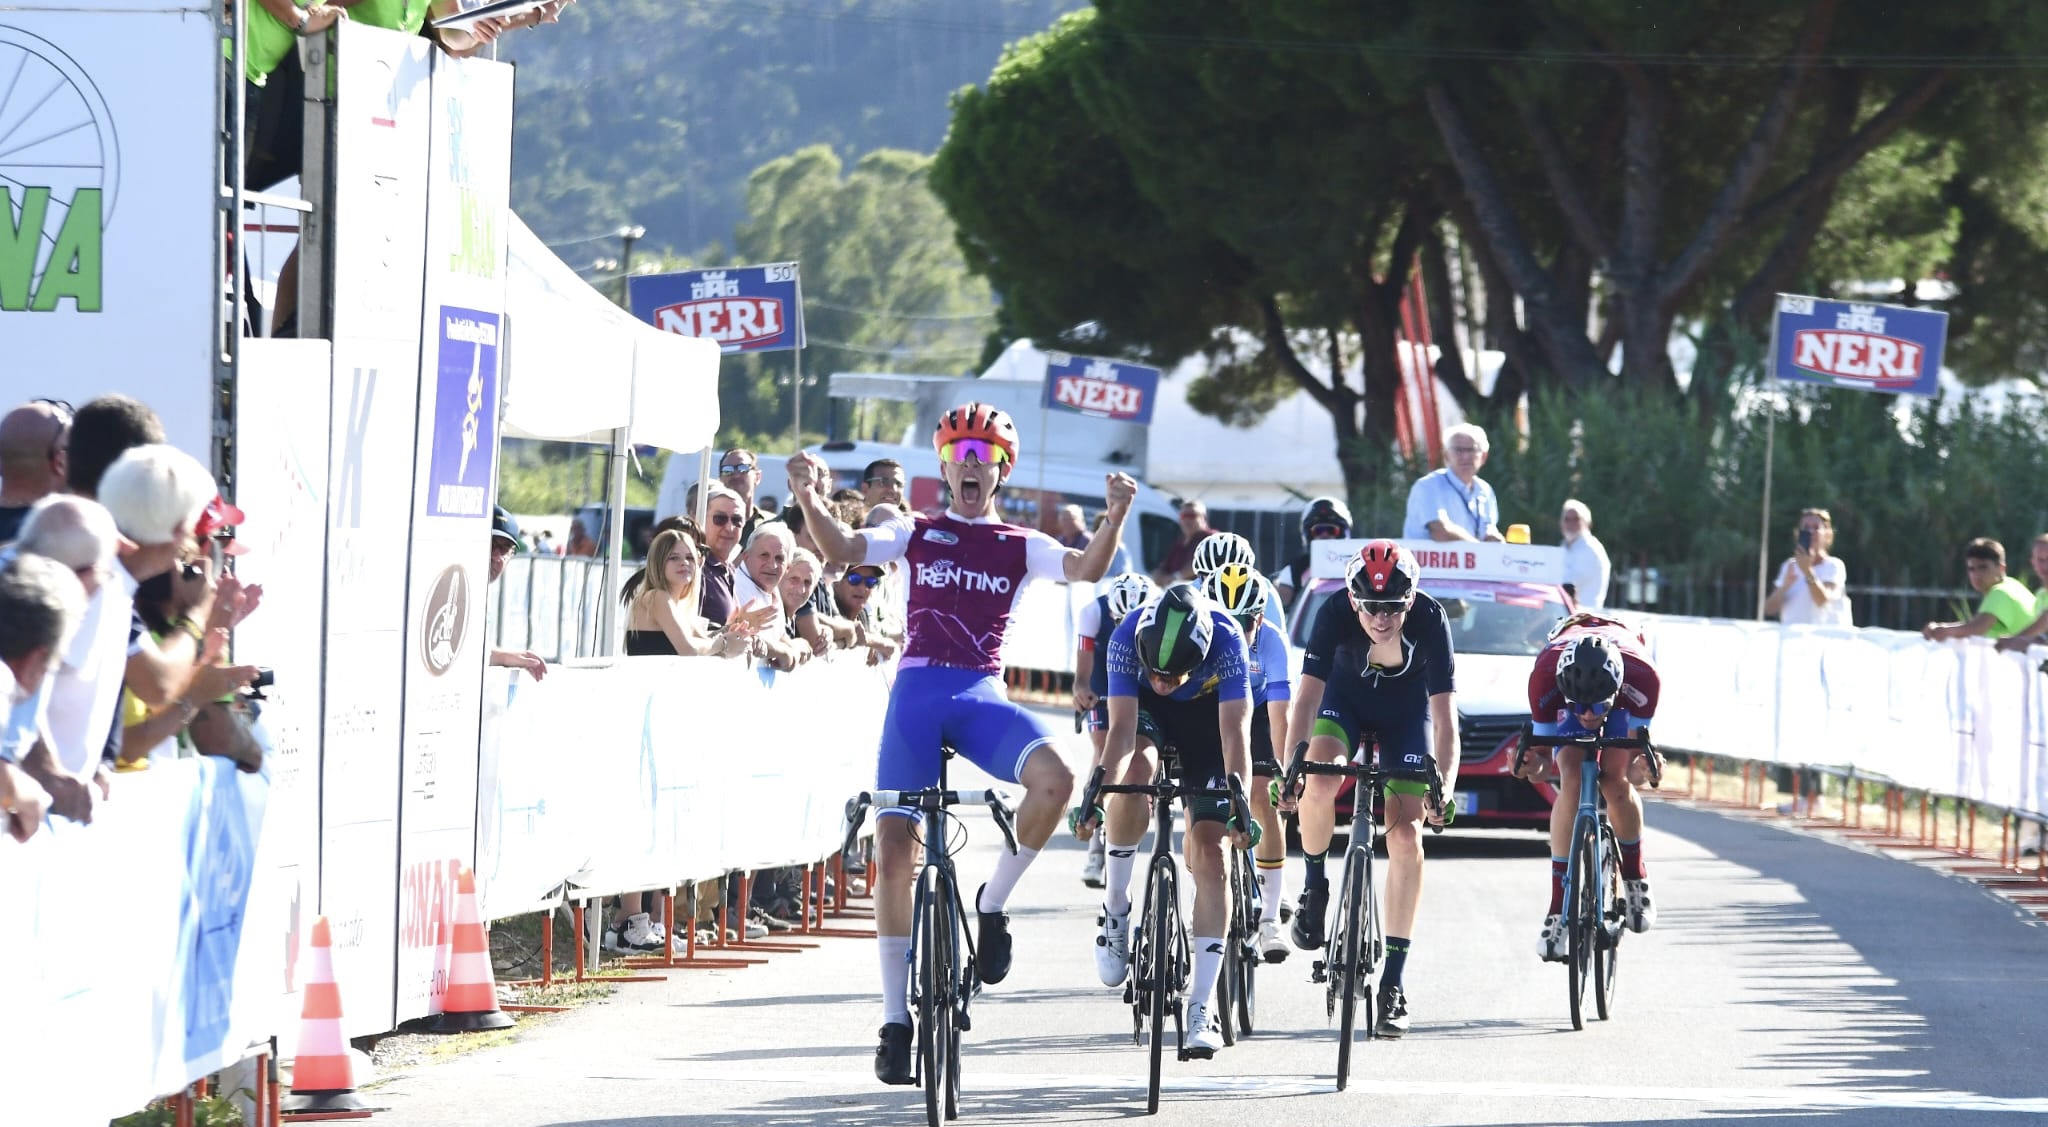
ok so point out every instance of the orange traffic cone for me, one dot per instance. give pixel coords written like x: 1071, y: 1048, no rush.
x: 472, y: 999
x: 323, y: 1078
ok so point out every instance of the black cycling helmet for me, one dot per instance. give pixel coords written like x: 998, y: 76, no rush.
x: 1325, y: 510
x: 1174, y: 631
x: 1589, y: 671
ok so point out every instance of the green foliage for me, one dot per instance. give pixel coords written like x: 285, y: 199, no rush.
x: 210, y: 1111
x: 653, y: 112
x: 885, y: 288
x: 558, y: 477
x: 1908, y: 483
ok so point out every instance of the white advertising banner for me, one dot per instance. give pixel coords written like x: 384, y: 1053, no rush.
x: 382, y: 112
x: 281, y: 429
x: 462, y: 345
x: 108, y: 202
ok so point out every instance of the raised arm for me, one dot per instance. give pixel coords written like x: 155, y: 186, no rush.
x: 839, y: 543
x: 1090, y: 564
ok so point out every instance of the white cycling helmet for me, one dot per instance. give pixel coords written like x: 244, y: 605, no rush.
x: 1220, y: 548
x: 1239, y: 590
x: 1128, y: 592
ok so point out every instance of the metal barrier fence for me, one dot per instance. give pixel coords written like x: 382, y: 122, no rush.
x: 552, y: 606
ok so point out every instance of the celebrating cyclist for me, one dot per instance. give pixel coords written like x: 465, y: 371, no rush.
x: 1248, y: 597
x: 1325, y: 518
x: 966, y: 570
x: 1378, y: 662
x: 1179, y: 677
x: 1097, y: 621
x: 1593, y: 677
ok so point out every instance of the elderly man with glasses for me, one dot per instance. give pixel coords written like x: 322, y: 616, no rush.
x: 740, y: 471
x: 1455, y: 503
x: 35, y: 442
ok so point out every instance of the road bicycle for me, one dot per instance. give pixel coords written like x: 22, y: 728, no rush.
x: 1595, y: 906
x: 1238, y: 984
x: 1160, y: 956
x: 942, y: 982
x: 1353, y: 946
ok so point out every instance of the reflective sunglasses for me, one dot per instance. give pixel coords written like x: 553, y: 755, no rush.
x: 1597, y: 708
x: 988, y: 453
x: 728, y: 469
x: 1326, y: 532
x: 859, y: 580
x: 733, y: 519
x: 1381, y: 608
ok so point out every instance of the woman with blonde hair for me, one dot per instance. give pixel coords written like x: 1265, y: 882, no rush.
x: 662, y: 619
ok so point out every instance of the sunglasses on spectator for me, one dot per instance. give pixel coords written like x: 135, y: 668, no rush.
x: 1381, y: 608
x: 1326, y: 532
x: 859, y: 580
x: 723, y: 519
x: 730, y: 468
x: 987, y: 453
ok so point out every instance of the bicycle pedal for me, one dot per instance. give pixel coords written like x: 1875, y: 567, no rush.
x: 1319, y: 972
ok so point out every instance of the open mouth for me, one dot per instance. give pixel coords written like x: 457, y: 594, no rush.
x: 970, y: 492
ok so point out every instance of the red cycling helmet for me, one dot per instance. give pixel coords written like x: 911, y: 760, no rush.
x: 977, y: 421
x: 1382, y: 572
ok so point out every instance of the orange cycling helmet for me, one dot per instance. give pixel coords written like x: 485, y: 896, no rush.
x: 977, y: 421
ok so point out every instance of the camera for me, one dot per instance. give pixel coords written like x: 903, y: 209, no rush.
x: 1806, y: 539
x: 265, y: 678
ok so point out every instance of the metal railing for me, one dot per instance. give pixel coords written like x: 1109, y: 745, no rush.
x: 552, y: 605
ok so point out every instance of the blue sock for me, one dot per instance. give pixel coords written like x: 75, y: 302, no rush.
x: 1397, y: 960
x: 1313, y: 864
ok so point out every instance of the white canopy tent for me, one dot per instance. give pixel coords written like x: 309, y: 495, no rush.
x: 580, y: 369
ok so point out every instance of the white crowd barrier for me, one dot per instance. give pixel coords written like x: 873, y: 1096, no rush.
x: 1953, y: 718
x: 646, y: 772
x: 140, y: 952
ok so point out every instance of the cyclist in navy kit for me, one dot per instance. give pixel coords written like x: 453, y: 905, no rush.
x: 1096, y: 622
x: 966, y: 569
x: 1179, y: 675
x: 1378, y: 661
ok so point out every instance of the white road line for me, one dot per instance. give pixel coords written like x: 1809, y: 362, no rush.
x: 1748, y: 1099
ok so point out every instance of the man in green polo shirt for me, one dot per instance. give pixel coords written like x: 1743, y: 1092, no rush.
x: 2007, y: 607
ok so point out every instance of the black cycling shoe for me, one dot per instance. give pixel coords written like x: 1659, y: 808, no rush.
x: 892, y: 1055
x: 1393, y: 1013
x: 991, y: 944
x: 1308, y: 917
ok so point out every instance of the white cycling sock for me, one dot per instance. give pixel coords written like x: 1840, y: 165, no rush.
x: 1208, y: 964
x: 1009, y: 866
x: 1272, y: 883
x: 894, y: 951
x: 1116, y: 878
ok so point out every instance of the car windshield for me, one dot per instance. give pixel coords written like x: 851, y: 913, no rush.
x: 1483, y: 620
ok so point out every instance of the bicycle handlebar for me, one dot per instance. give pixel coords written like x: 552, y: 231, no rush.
x: 1595, y: 743
x: 929, y: 799
x: 1363, y: 771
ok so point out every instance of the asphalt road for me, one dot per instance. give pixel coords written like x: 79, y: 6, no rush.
x: 1789, y: 980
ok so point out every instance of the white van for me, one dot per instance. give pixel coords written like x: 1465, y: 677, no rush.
x: 1034, y: 491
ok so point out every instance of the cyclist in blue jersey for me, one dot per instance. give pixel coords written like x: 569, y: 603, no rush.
x: 1379, y: 661
x: 1248, y: 596
x: 966, y: 569
x: 1178, y: 676
x: 1121, y: 594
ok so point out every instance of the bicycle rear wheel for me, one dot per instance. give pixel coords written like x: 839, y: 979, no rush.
x: 1607, y: 937
x: 1582, y: 919
x: 1162, y: 905
x: 1347, y: 947
x: 937, y: 1038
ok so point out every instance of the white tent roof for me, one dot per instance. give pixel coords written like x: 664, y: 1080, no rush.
x: 579, y: 367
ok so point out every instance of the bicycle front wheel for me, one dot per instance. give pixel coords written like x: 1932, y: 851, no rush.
x: 1347, y: 971
x: 1245, y: 914
x: 937, y: 1036
x: 1607, y: 936
x: 1162, y: 909
x: 1582, y: 918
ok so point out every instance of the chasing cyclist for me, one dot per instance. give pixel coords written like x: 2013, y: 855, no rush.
x: 966, y: 571
x: 1381, y: 662
x: 1178, y: 676
x: 1249, y: 598
x: 1096, y: 622
x: 1593, y: 676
